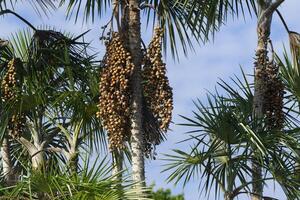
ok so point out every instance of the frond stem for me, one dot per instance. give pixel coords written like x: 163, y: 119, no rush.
x: 7, y: 11
x: 283, y: 21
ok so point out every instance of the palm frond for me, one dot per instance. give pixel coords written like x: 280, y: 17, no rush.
x: 225, y: 139
x: 38, y: 5
x: 93, y: 182
x: 90, y: 8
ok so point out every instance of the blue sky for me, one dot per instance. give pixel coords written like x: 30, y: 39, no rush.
x: 234, y: 46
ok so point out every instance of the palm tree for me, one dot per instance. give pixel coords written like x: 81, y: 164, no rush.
x: 130, y: 20
x: 53, y: 69
x: 225, y: 136
x: 201, y: 17
x: 264, y: 12
x: 5, y: 6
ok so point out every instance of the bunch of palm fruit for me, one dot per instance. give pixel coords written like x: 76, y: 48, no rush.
x: 8, y: 84
x: 273, y: 90
x: 116, y: 93
x: 157, y: 91
x: 9, y: 90
x: 16, y: 126
x: 114, y: 106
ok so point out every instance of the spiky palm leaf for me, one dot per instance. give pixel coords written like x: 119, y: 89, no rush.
x: 182, y: 19
x: 290, y: 72
x: 219, y: 154
x: 93, y: 182
x: 179, y: 18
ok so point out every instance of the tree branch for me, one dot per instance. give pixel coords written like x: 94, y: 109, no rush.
x: 7, y: 11
x: 147, y: 5
x: 283, y: 21
x: 58, y: 150
x: 271, y: 9
x: 54, y: 149
x: 116, y: 13
x: 27, y: 144
x: 263, y: 3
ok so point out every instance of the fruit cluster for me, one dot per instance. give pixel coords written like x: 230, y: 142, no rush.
x: 274, y: 97
x: 115, y: 93
x: 16, y: 125
x: 273, y: 91
x: 9, y: 83
x: 157, y: 91
x: 114, y: 101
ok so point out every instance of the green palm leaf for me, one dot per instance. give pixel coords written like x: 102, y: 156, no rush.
x: 225, y: 138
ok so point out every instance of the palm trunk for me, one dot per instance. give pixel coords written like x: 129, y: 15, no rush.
x: 266, y: 10
x: 37, y: 160
x: 38, y: 165
x: 137, y: 136
x: 6, y: 162
x: 263, y: 32
x: 37, y: 155
x: 73, y: 161
x: 257, y: 186
x: 35, y: 150
x: 227, y: 197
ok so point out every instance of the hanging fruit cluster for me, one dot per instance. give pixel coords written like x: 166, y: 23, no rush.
x: 158, y: 96
x: 157, y: 91
x: 9, y: 90
x: 8, y: 84
x: 16, y: 125
x: 114, y: 106
x: 273, y: 91
x: 115, y: 93
x: 274, y: 97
